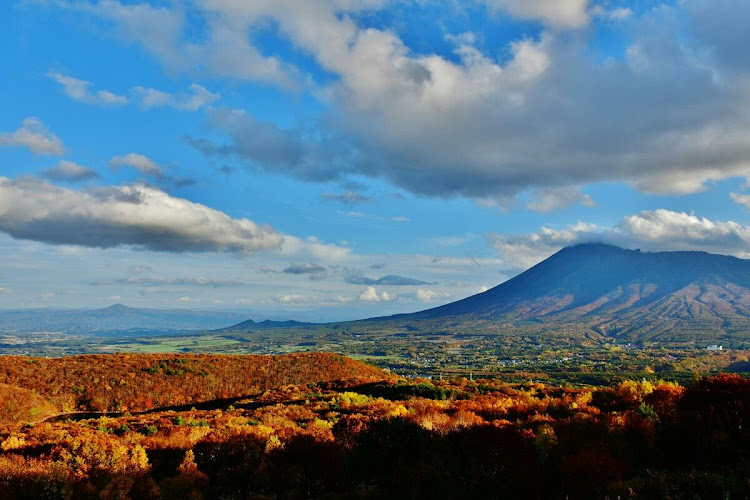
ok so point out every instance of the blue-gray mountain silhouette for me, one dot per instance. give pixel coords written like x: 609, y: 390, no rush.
x: 613, y: 292
x: 593, y: 293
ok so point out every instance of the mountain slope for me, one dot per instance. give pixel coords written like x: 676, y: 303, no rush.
x: 616, y: 292
x: 582, y: 275
x: 594, y: 292
x: 116, y: 318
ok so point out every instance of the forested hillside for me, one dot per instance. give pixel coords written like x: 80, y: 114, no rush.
x: 119, y: 383
x: 399, y: 439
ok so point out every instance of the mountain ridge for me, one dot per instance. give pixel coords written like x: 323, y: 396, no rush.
x: 596, y: 292
x: 116, y: 318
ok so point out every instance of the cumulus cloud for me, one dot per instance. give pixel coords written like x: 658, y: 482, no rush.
x: 425, y: 295
x: 485, y: 128
x: 34, y: 135
x: 666, y: 229
x: 265, y: 145
x: 139, y: 216
x: 741, y: 199
x: 542, y: 115
x: 197, y: 97
x: 555, y: 13
x: 370, y: 294
x: 616, y: 14
x: 140, y: 162
x: 226, y: 50
x: 293, y: 299
x: 658, y: 230
x: 67, y: 171
x: 80, y: 90
x: 389, y: 280
x: 549, y: 199
x: 314, y: 248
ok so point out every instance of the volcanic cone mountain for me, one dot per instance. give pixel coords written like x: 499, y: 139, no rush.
x: 616, y: 292
x: 598, y: 292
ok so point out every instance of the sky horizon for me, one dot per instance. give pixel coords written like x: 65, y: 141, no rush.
x: 340, y: 159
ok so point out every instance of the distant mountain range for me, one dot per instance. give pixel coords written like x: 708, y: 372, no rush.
x: 587, y: 293
x: 114, y: 319
x: 594, y: 292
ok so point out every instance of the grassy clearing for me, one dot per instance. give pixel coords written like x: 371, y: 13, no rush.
x: 182, y: 344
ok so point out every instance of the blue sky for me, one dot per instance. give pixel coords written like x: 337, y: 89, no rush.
x: 349, y: 158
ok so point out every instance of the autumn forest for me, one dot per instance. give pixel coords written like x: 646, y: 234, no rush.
x: 325, y: 426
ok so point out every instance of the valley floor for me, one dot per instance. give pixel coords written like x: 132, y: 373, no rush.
x: 434, y: 356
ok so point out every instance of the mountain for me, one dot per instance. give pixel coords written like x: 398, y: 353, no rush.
x: 114, y: 319
x: 597, y: 293
x: 617, y: 293
x: 268, y: 324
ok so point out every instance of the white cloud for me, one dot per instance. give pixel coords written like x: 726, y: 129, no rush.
x: 140, y: 162
x: 545, y: 114
x: 194, y: 99
x: 658, y: 230
x: 67, y: 171
x: 226, y: 51
x: 489, y: 128
x: 80, y: 90
x: 244, y: 302
x: 370, y: 294
x: 616, y: 14
x: 197, y: 98
x: 313, y: 247
x: 136, y: 215
x: 741, y: 199
x: 549, y: 199
x: 293, y: 299
x: 678, y: 230
x: 425, y: 295
x: 34, y: 135
x: 554, y: 13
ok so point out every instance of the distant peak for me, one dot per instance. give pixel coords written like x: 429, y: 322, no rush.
x: 593, y: 246
x: 118, y: 307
